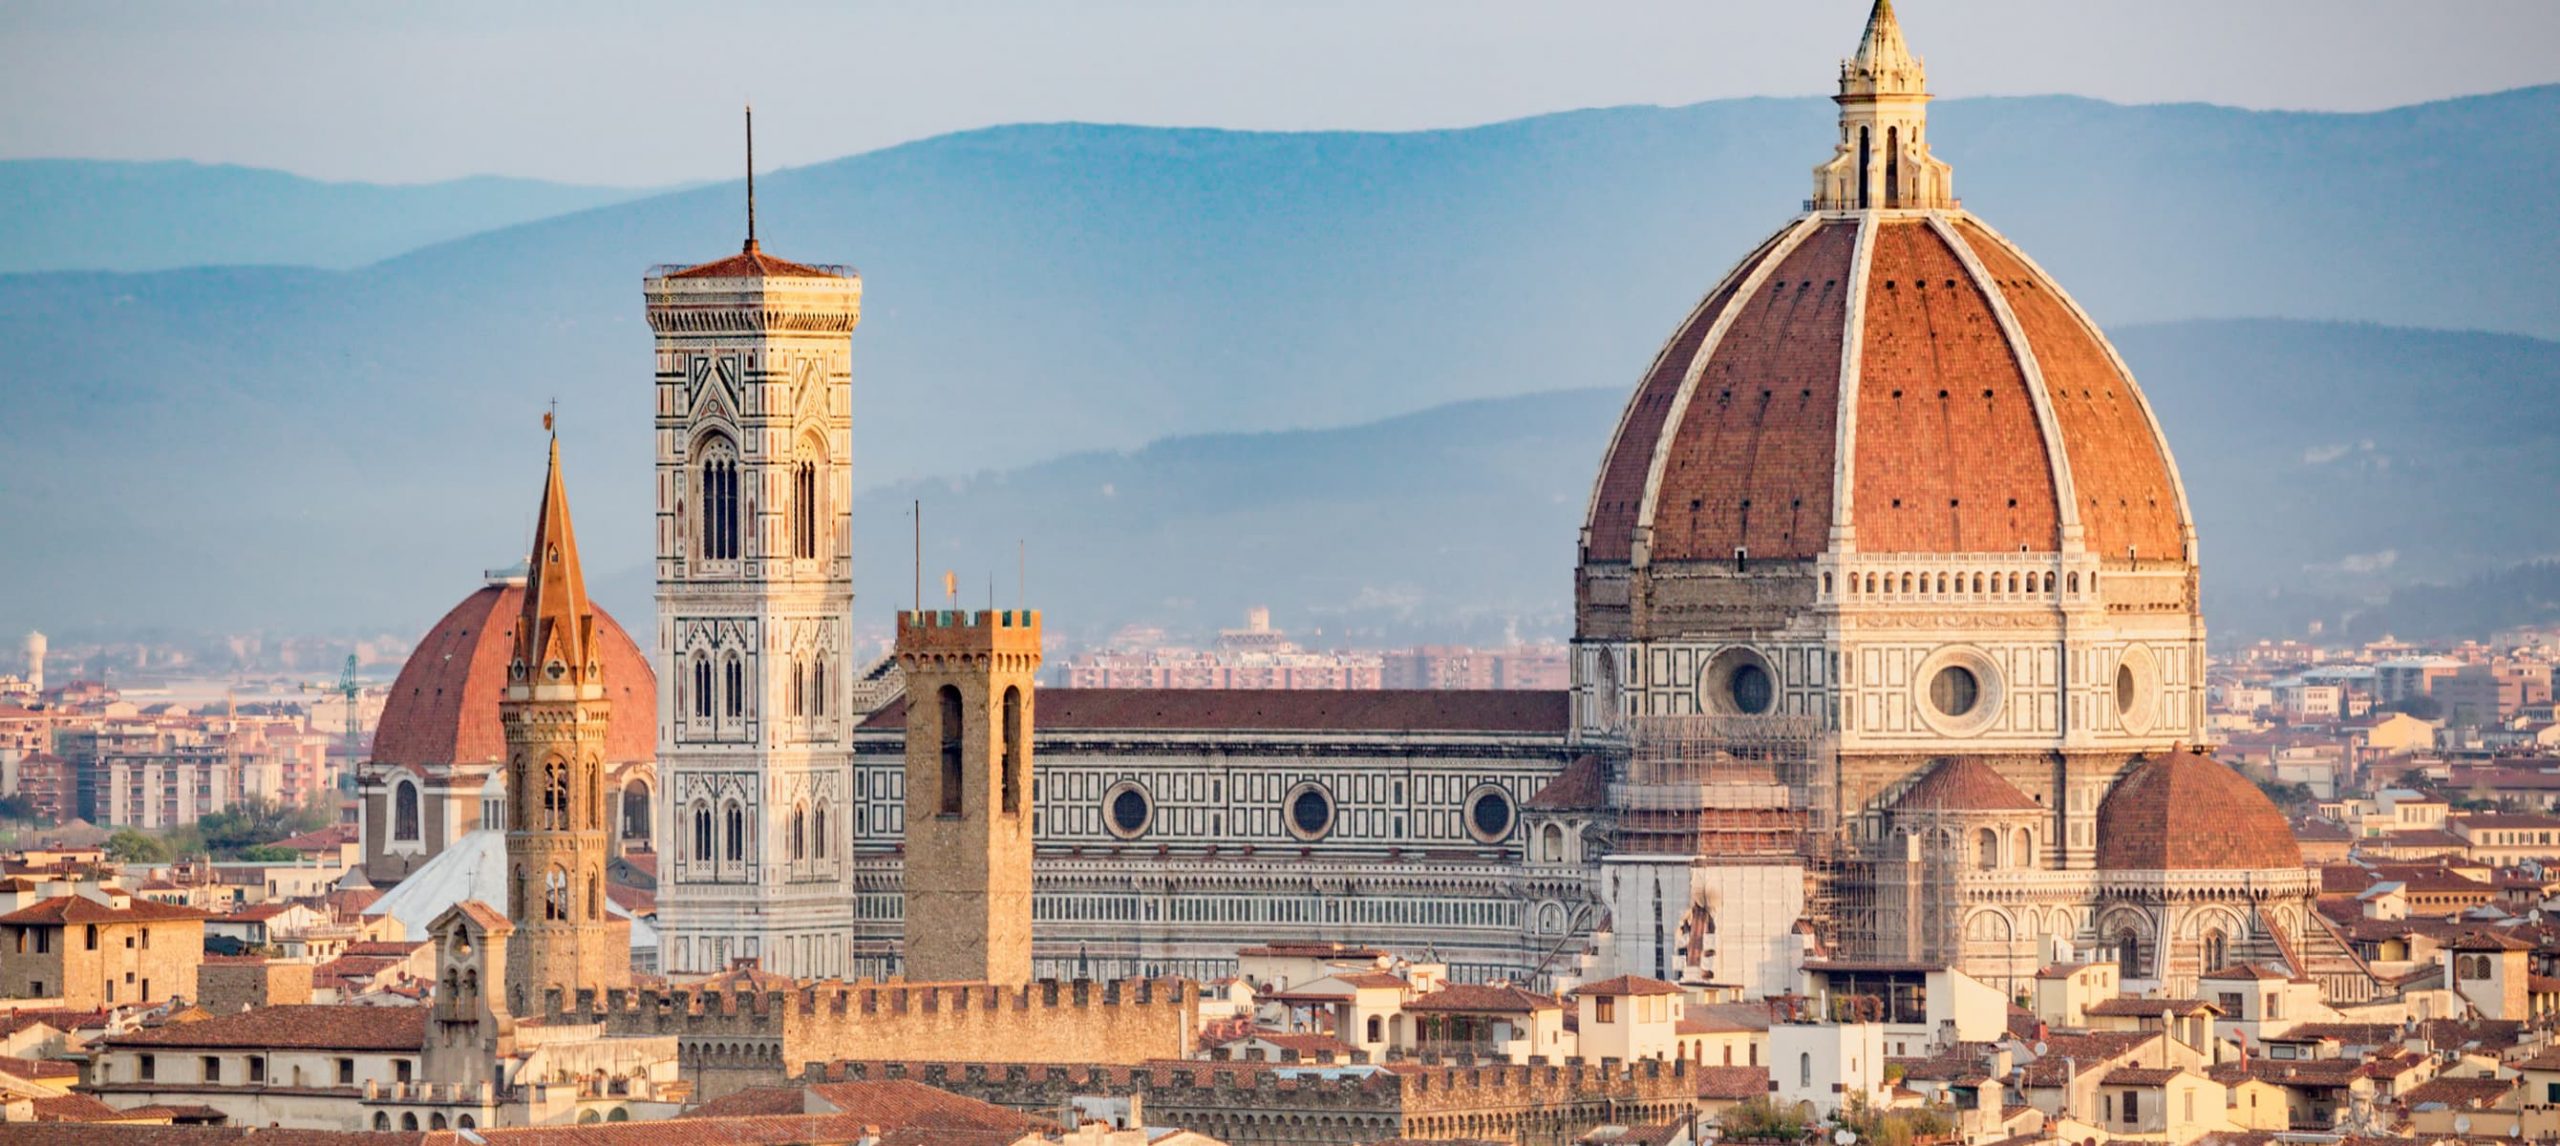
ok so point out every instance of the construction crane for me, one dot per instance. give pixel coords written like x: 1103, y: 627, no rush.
x: 348, y: 688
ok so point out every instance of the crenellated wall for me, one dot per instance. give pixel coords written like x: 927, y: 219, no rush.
x: 1277, y: 1104
x: 731, y: 1040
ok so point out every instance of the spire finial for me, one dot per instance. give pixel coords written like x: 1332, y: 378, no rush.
x: 751, y: 176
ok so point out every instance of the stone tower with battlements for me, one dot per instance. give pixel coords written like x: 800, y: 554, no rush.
x: 554, y: 715
x: 755, y: 589
x: 968, y: 793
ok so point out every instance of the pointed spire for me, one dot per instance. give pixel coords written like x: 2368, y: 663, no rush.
x: 1883, y: 62
x: 557, y: 623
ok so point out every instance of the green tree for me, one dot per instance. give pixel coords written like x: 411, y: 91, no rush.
x: 131, y: 846
x: 269, y: 853
x: 1763, y: 1119
x: 254, y: 821
x: 17, y: 809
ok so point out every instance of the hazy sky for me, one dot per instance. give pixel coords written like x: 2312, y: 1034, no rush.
x: 646, y: 92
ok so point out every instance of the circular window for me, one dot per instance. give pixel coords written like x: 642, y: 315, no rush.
x: 1738, y: 682
x: 1955, y: 690
x: 1310, y: 812
x: 1489, y: 814
x: 1127, y: 811
x: 1958, y: 691
x: 2137, y: 686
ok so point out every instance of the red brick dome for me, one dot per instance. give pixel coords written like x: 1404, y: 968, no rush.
x: 1964, y: 784
x: 2184, y: 812
x: 443, y: 708
x: 1908, y: 374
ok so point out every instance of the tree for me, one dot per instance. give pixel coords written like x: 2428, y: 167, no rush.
x: 130, y: 846
x: 17, y: 809
x: 269, y: 853
x: 256, y: 820
x: 1762, y: 1119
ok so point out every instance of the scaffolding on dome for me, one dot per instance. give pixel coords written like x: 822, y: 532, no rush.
x: 1744, y: 788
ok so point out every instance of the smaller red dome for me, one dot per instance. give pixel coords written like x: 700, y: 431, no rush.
x: 443, y: 708
x: 2184, y: 812
x: 1964, y: 784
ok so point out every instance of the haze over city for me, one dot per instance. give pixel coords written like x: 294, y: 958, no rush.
x: 1402, y: 574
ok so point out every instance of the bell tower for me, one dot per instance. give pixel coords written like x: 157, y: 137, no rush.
x: 754, y: 407
x: 553, y: 716
x: 968, y: 794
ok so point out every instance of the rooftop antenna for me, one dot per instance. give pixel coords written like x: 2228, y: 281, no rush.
x: 751, y: 177
x: 919, y: 520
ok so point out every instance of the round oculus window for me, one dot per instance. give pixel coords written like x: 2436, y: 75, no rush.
x: 1751, y: 689
x: 1955, y: 690
x: 1310, y: 812
x: 1738, y: 682
x: 2126, y: 689
x: 1129, y: 811
x: 1489, y: 815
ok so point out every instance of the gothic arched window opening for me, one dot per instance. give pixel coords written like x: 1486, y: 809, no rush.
x: 555, y: 895
x: 804, y: 509
x: 737, y: 834
x: 1012, y: 750
x: 719, y: 500
x: 736, y: 687
x: 702, y: 832
x: 555, y: 796
x: 404, y: 811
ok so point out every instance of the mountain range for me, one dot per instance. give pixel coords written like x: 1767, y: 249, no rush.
x: 1322, y: 333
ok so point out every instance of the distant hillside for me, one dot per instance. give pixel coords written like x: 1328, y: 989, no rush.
x: 246, y: 446
x: 100, y: 215
x: 2326, y: 462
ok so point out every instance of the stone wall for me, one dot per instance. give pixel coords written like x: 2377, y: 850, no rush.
x: 228, y: 987
x: 730, y: 1041
x: 1275, y: 1104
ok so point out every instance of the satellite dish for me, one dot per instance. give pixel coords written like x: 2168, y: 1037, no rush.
x: 2462, y: 1124
x: 1843, y: 1136
x: 2040, y: 1048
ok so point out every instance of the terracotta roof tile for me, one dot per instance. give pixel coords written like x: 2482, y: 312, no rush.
x: 443, y: 707
x: 1964, y: 784
x: 1482, y: 997
x: 294, y: 1026
x: 753, y: 263
x: 2184, y: 812
x: 62, y: 909
x: 1583, y: 786
x: 1627, y: 985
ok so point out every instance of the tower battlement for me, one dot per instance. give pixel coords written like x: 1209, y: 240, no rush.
x: 956, y: 631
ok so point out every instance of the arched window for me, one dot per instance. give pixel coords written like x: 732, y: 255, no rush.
x: 702, y: 832
x: 951, y: 770
x: 737, y: 834
x: 818, y: 831
x: 1987, y: 850
x: 635, y: 811
x: 595, y: 897
x: 719, y: 499
x: 1551, y: 844
x: 435, y: 1121
x: 2217, y: 950
x: 2022, y: 852
x: 818, y: 687
x: 555, y: 796
x: 1866, y: 161
x: 1012, y: 750
x: 404, y: 811
x: 799, y: 832
x: 382, y: 1120
x: 804, y: 508
x: 736, y: 687
x: 702, y: 686
x: 555, y: 895
x: 1893, y: 167
x: 2128, y: 955
x: 465, y: 1123
x: 2048, y: 582
x: 2074, y: 583
x: 409, y: 1120
x: 799, y: 687
x: 1804, y: 1062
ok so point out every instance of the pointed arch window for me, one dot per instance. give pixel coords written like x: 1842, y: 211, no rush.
x: 804, y: 508
x: 799, y: 833
x: 799, y: 687
x: 701, y: 686
x: 555, y: 895
x: 719, y: 517
x: 737, y: 834
x: 818, y: 687
x: 1866, y: 158
x: 702, y: 832
x: 1893, y: 166
x: 555, y: 796
x: 818, y: 831
x: 595, y: 897
x: 735, y: 687
x: 2217, y: 950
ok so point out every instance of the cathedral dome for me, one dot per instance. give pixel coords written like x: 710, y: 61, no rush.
x: 2184, y: 812
x: 443, y: 708
x: 1889, y: 373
